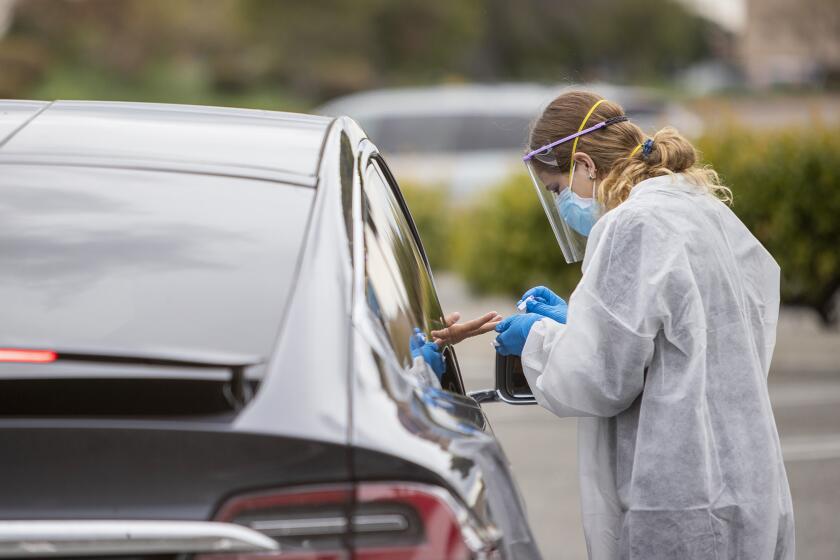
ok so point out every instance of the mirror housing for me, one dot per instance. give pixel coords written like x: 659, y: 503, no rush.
x: 511, y: 385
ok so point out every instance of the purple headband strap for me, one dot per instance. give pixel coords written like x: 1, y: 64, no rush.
x: 547, y: 148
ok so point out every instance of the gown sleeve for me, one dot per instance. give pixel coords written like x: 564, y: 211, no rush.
x: 595, y: 364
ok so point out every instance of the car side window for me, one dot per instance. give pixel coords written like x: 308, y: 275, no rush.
x: 388, y: 265
x: 399, y: 288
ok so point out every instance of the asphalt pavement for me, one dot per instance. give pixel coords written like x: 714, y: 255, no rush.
x: 804, y: 389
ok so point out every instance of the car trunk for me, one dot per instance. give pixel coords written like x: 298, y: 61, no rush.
x: 141, y: 469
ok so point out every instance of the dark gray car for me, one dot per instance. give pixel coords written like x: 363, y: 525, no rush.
x: 204, y: 347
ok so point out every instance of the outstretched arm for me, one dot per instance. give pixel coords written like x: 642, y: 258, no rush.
x: 455, y: 332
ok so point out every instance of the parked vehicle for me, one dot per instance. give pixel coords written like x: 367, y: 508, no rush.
x: 205, y: 347
x: 467, y: 137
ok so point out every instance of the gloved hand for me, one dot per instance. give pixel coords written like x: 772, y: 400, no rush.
x: 513, y: 333
x: 428, y: 350
x: 543, y: 301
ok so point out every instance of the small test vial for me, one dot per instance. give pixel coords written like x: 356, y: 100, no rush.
x: 524, y: 303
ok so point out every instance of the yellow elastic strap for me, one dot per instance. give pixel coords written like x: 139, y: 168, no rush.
x: 636, y: 149
x: 574, y: 145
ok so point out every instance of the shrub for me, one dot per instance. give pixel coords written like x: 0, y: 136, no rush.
x: 786, y: 187
x: 504, y: 243
x: 433, y: 215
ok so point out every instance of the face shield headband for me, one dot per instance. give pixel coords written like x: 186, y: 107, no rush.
x: 544, y: 154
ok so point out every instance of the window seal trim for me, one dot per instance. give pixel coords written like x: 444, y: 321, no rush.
x: 368, y: 154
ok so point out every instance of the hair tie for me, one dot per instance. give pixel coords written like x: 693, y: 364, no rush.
x: 647, y: 148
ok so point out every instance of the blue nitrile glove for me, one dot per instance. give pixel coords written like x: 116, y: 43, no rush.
x: 428, y: 350
x: 513, y: 333
x: 543, y: 294
x: 543, y: 301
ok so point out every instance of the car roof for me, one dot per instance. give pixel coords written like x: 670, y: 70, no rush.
x: 242, y: 142
x: 526, y: 99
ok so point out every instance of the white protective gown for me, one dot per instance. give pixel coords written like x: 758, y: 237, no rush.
x: 665, y: 358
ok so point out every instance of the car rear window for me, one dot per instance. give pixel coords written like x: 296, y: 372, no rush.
x: 145, y: 261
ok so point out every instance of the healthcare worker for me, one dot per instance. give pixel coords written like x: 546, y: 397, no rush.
x: 667, y: 346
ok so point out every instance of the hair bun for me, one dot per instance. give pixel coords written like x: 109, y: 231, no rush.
x: 670, y: 150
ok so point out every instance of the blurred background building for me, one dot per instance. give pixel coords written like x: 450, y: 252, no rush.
x: 787, y: 43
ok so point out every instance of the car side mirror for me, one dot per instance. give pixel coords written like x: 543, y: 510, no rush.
x: 511, y: 385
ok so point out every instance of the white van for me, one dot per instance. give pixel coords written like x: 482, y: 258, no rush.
x: 467, y: 137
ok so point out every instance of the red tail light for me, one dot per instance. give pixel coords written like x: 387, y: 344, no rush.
x: 390, y: 521
x: 27, y: 356
x: 444, y: 528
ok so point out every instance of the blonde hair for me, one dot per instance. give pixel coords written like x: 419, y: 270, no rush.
x: 616, y: 149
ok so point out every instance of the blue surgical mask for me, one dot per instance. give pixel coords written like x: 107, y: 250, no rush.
x: 580, y: 213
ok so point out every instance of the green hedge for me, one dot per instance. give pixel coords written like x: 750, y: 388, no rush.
x: 786, y: 187
x: 432, y: 212
x: 499, y: 242
x: 505, y: 244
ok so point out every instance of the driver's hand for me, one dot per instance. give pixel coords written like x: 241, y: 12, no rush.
x: 455, y: 332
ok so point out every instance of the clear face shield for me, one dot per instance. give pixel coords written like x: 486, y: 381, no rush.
x: 549, y: 187
x: 554, y: 192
